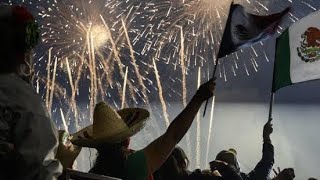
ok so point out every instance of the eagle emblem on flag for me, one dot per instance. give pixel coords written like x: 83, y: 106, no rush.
x: 309, y: 50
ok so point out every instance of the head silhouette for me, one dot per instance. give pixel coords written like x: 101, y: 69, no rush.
x: 19, y: 35
x: 175, y: 167
x: 230, y: 157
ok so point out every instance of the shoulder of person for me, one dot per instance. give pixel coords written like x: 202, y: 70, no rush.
x: 15, y: 92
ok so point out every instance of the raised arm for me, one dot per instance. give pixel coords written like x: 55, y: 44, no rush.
x: 264, y: 167
x: 157, y: 152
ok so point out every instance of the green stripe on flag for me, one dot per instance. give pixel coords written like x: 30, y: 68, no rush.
x: 281, y: 76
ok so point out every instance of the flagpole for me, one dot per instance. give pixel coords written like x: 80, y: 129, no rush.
x: 272, y: 88
x: 272, y: 92
x: 213, y: 75
x: 217, y: 60
x: 271, y: 106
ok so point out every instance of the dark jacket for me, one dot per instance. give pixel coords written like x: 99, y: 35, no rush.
x: 264, y: 167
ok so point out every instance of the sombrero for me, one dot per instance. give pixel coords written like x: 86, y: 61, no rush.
x: 110, y: 126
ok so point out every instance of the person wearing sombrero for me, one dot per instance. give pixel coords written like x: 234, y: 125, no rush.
x: 262, y: 169
x: 111, y: 130
x: 28, y: 138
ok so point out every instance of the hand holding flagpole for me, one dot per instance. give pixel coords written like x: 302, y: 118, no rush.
x: 218, y: 55
x: 213, y: 76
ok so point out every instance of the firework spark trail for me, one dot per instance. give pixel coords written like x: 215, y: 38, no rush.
x: 255, y: 62
x: 64, y: 121
x: 163, y: 103
x: 309, y: 5
x: 233, y: 70
x: 118, y: 60
x: 136, y: 67
x: 48, y: 78
x: 198, y: 137
x: 245, y: 66
x: 52, y: 86
x: 219, y: 69
x: 91, y: 71
x: 184, y: 84
x: 113, y: 43
x: 254, y: 65
x: 107, y: 73
x: 254, y: 51
x: 38, y: 86
x: 224, y: 73
x: 266, y: 57
x: 124, y: 89
x: 94, y: 69
x: 70, y: 76
x: 76, y: 89
x: 210, y: 129
x: 183, y: 69
x: 100, y: 78
x: 73, y: 95
x: 59, y: 91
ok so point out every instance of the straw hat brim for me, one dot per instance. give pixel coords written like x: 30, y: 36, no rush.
x: 85, y: 137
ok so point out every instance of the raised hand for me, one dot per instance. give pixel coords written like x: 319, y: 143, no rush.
x: 276, y: 172
x: 286, y: 174
x: 267, y: 131
x: 67, y: 152
x: 206, y: 90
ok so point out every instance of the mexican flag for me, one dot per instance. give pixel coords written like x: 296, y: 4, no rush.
x: 244, y: 29
x: 298, y: 53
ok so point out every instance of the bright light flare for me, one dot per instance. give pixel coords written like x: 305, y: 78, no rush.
x: 100, y: 35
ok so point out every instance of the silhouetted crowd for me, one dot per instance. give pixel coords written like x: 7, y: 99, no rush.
x: 31, y: 147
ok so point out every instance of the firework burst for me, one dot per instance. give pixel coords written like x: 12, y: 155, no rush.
x: 86, y: 44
